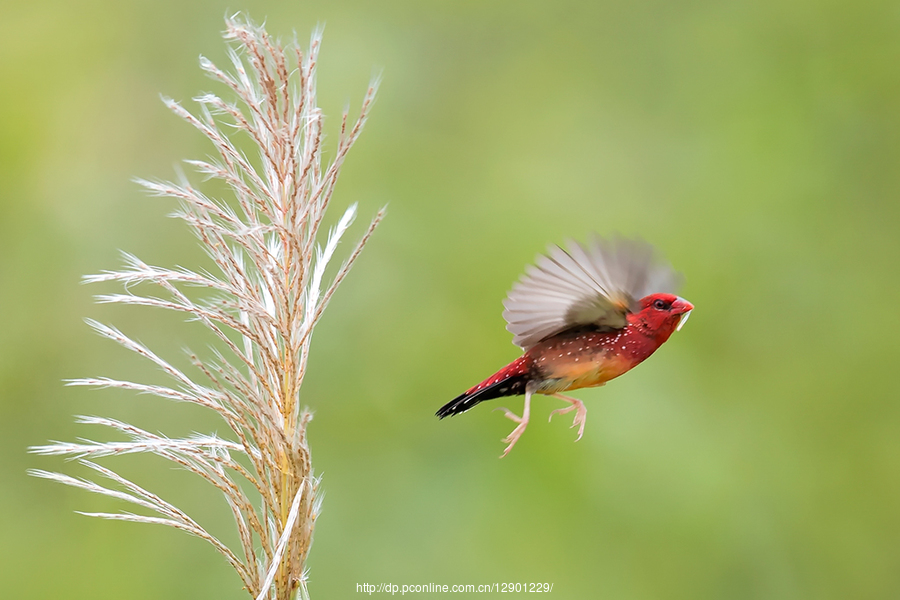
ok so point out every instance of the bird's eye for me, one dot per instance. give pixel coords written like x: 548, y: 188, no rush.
x: 660, y: 305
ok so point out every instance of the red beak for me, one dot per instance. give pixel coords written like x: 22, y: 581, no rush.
x: 681, y: 306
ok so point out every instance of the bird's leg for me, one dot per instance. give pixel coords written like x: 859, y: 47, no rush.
x: 522, y: 421
x: 580, y: 412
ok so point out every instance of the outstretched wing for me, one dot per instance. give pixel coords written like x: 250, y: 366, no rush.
x: 593, y: 284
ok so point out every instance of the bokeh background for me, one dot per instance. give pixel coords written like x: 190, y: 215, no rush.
x: 757, y: 455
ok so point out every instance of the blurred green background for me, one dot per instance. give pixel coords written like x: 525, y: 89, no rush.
x: 757, y: 455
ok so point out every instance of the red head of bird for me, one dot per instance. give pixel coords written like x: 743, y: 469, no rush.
x: 660, y: 315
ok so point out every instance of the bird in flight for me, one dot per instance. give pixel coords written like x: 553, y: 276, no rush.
x: 582, y: 315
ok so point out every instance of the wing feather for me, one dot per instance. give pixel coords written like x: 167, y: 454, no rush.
x: 594, y: 284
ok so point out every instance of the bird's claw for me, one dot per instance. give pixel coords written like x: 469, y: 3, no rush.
x: 580, y: 413
x: 513, y: 437
x: 509, y: 415
x: 516, y: 433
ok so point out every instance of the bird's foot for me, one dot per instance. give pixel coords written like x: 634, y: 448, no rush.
x: 522, y: 421
x: 513, y: 437
x: 580, y: 413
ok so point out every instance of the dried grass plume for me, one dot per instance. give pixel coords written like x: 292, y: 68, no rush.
x: 262, y: 302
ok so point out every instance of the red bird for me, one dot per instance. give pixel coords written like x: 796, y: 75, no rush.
x: 583, y: 316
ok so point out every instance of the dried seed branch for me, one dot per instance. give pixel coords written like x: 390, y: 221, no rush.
x: 262, y: 305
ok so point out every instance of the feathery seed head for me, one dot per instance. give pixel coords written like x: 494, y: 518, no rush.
x: 263, y: 300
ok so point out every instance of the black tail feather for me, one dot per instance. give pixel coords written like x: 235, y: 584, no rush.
x: 511, y: 386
